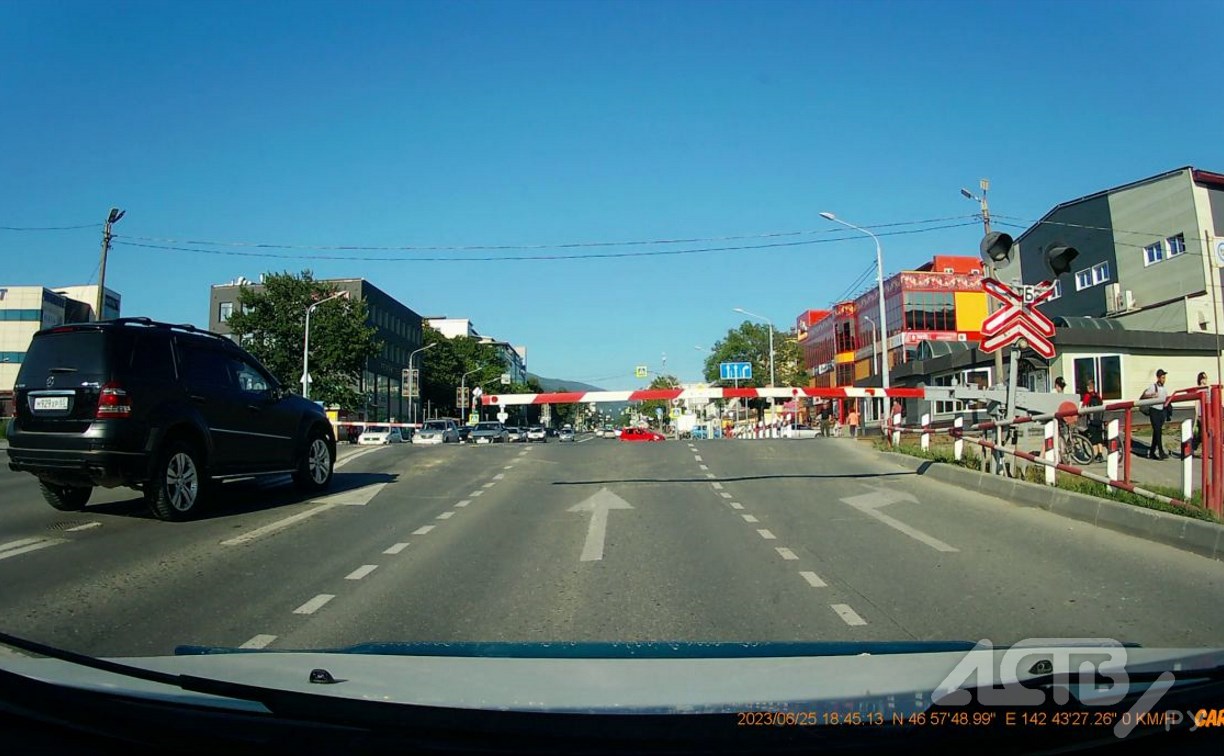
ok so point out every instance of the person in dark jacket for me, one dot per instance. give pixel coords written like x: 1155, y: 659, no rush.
x: 1095, y: 420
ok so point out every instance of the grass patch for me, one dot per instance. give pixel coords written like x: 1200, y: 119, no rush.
x: 1036, y: 474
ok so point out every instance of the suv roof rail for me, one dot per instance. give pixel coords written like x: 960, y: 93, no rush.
x: 151, y: 323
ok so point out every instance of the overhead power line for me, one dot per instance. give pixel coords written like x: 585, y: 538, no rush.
x: 509, y: 258
x: 50, y: 228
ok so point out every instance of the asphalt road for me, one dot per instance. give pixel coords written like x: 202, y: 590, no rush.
x: 598, y: 540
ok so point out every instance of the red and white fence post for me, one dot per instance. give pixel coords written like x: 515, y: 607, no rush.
x: 1051, y: 451
x: 1111, y: 461
x: 958, y: 430
x: 1187, y: 450
x: 926, y: 433
x: 896, y: 429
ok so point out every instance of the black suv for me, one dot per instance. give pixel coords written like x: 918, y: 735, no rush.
x: 167, y: 409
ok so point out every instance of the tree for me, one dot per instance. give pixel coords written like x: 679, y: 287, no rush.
x: 648, y: 407
x: 750, y: 343
x: 442, y: 368
x: 271, y: 324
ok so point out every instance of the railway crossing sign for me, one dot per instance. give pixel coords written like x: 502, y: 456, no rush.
x: 1018, y: 319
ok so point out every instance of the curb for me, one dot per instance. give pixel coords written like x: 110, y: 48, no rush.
x: 1196, y: 536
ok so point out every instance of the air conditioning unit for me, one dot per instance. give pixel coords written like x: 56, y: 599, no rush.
x: 1113, y: 298
x: 1128, y: 300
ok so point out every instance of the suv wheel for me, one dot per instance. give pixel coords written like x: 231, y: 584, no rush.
x: 177, y: 486
x: 314, y: 471
x: 65, y: 498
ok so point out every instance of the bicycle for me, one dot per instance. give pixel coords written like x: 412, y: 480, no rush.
x: 1074, y: 445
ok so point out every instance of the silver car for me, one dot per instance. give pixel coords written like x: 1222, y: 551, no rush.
x: 437, y: 432
x: 489, y: 433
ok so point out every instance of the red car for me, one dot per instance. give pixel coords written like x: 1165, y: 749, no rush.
x: 639, y: 434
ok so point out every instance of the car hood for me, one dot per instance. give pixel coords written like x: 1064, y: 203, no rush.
x: 621, y: 678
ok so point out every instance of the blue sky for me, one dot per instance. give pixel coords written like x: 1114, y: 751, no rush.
x: 395, y: 124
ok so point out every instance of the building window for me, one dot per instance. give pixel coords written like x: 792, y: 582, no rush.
x: 12, y: 358
x: 1153, y: 253
x: 30, y: 315
x: 1100, y: 273
x: 1106, y: 371
x: 1177, y: 245
x: 1083, y: 279
x: 224, y: 310
x: 929, y: 311
x: 1057, y: 290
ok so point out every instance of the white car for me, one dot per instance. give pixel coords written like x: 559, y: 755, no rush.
x: 437, y: 432
x: 537, y: 433
x: 380, y: 434
x: 800, y: 431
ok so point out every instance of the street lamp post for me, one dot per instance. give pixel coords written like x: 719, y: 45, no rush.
x: 873, y: 340
x: 412, y: 404
x: 880, y: 286
x: 306, y: 342
x: 990, y: 268
x: 742, y: 311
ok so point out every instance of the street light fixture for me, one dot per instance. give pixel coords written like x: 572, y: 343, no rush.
x: 412, y: 404
x: 880, y: 287
x: 463, y: 383
x: 306, y: 342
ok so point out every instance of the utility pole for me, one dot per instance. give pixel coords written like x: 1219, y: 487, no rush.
x: 111, y: 219
x: 990, y: 269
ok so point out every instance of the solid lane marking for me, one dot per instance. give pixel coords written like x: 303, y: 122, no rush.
x: 463, y: 503
x: 86, y: 526
x: 736, y: 505
x: 357, y: 497
x: 786, y: 553
x: 275, y: 526
x: 397, y: 548
x: 259, y: 641
x: 315, y: 604
x: 361, y: 572
x: 423, y: 530
x: 355, y: 455
x: 767, y: 535
x: 445, y: 516
x: 724, y: 494
x: 749, y: 518
x: 848, y: 615
x: 813, y: 579
x: 26, y: 545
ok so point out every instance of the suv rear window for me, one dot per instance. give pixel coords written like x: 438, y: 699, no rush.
x: 78, y: 356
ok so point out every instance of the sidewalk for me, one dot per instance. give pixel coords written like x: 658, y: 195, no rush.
x: 1166, y: 472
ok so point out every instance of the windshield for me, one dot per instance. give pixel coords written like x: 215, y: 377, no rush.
x: 860, y: 321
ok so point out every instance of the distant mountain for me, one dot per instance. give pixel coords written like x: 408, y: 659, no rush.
x: 556, y: 384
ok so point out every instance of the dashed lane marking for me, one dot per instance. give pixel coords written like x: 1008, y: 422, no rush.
x: 397, y: 548
x: 315, y: 604
x: 445, y: 516
x: 786, y: 553
x: 813, y: 579
x: 848, y: 615
x: 361, y: 572
x: 767, y: 535
x: 275, y: 526
x: 259, y: 641
x: 423, y: 530
x: 749, y: 518
x: 86, y: 526
x: 736, y: 505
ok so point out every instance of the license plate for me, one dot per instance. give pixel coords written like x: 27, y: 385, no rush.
x: 50, y: 402
x: 482, y: 440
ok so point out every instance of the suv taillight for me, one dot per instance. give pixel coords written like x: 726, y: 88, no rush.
x: 113, y: 402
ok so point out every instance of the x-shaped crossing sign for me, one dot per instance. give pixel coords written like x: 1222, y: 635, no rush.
x: 1018, y: 318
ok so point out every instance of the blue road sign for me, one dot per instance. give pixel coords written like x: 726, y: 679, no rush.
x: 733, y: 371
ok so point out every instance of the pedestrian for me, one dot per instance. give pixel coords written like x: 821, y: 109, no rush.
x: 1197, y: 439
x: 1157, y: 414
x: 825, y: 420
x: 1060, y: 386
x: 1095, y: 420
x: 853, y: 420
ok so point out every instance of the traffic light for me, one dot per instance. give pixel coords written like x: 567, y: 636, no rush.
x: 996, y: 248
x: 1058, y: 258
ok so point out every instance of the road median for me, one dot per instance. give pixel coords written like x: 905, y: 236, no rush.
x: 1196, y: 536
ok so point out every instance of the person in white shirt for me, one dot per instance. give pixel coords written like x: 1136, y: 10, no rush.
x: 1158, y: 415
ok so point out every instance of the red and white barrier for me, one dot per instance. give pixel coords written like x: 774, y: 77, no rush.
x: 643, y: 395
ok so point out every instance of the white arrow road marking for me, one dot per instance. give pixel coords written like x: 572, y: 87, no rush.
x: 598, y: 505
x: 869, y: 504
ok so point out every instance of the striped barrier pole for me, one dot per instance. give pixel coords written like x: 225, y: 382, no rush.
x: 958, y: 432
x: 1051, y: 451
x: 925, y: 441
x: 896, y: 430
x: 1111, y: 463
x: 1187, y: 450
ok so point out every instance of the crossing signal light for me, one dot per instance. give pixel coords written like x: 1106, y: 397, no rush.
x: 1058, y: 258
x: 996, y: 248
